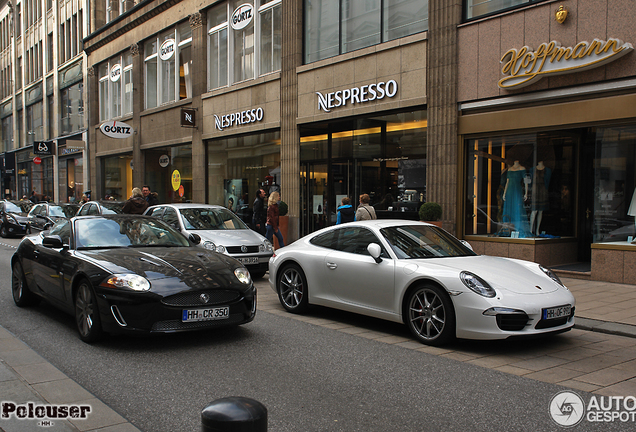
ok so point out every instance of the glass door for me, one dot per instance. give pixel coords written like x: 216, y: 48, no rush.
x: 317, y: 209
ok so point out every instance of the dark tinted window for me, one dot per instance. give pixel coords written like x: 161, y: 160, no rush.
x: 325, y: 240
x: 171, y: 217
x: 62, y: 228
x: 355, y: 240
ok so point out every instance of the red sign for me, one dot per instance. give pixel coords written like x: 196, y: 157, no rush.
x: 181, y: 191
x: 37, y: 160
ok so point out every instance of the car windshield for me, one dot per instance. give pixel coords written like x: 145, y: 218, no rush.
x: 98, y: 233
x: 423, y: 241
x: 12, y: 208
x: 67, y: 211
x: 211, y: 219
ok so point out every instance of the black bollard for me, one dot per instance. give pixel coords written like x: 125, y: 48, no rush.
x: 234, y: 414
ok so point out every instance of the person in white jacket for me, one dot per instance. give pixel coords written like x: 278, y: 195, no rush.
x: 365, y: 211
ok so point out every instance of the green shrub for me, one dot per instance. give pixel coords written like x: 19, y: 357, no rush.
x: 430, y: 211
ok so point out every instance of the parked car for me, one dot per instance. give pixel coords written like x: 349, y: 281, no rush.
x: 131, y: 274
x: 43, y: 215
x: 13, y: 219
x: 101, y: 208
x: 419, y: 274
x: 221, y: 231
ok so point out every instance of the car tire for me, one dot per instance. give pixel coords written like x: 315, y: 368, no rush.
x: 22, y: 296
x: 291, y: 286
x: 87, y: 317
x: 429, y: 315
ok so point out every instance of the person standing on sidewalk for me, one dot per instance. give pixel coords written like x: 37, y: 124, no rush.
x: 150, y: 197
x: 272, y: 220
x: 259, y: 216
x: 345, y: 212
x: 365, y: 211
x: 136, y: 204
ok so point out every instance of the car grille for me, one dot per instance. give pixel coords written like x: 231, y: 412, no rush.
x: 193, y: 298
x: 512, y: 322
x: 173, y: 325
x: 237, y: 249
x: 543, y: 324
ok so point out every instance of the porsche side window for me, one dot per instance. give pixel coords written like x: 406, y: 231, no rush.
x: 356, y: 239
x: 324, y: 240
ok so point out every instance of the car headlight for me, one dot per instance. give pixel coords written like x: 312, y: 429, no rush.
x: 552, y: 275
x: 211, y: 246
x: 266, y: 246
x: 12, y: 219
x: 130, y: 281
x: 494, y: 311
x: 242, y: 275
x: 477, y: 284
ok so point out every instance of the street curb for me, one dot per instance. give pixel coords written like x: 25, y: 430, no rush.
x: 618, y: 329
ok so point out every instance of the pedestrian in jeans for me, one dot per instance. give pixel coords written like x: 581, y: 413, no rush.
x: 272, y: 220
x: 365, y: 211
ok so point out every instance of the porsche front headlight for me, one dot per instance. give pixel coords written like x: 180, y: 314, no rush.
x: 477, y: 284
x: 242, y: 275
x: 552, y: 275
x: 130, y: 281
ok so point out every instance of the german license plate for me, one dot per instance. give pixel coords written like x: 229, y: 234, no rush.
x: 557, y: 312
x: 193, y: 315
x: 251, y: 260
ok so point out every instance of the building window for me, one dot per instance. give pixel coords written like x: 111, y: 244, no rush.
x: 241, y: 52
x: 478, y: 8
x: 35, y: 123
x: 115, y: 87
x: 7, y: 133
x: 334, y: 27
x: 72, y: 109
x: 163, y: 84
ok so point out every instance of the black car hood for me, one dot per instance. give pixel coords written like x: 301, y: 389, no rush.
x: 195, y: 268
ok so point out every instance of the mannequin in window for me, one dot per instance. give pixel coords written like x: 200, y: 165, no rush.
x: 514, y: 195
x: 632, y: 211
x: 540, y: 183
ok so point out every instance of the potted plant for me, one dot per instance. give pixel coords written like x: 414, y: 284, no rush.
x: 283, y: 222
x: 431, y: 212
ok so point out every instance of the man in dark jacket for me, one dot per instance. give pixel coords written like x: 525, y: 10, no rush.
x: 150, y: 197
x: 136, y: 204
x: 346, y: 213
x: 259, y: 216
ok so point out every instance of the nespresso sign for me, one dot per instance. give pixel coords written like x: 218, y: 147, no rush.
x: 356, y: 95
x: 524, y: 67
x: 238, y: 118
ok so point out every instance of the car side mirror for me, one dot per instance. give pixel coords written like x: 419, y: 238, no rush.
x: 465, y: 243
x: 195, y: 238
x: 52, y: 241
x: 375, y: 251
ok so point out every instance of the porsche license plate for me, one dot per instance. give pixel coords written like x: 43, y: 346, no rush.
x: 251, y: 260
x: 557, y: 312
x: 192, y: 315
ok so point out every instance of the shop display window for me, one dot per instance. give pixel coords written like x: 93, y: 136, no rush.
x: 522, y: 186
x: 168, y: 172
x: 478, y: 8
x: 117, y: 172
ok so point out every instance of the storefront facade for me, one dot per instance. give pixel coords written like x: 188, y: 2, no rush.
x: 547, y: 137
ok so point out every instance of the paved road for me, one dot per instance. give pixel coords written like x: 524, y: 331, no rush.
x: 311, y: 378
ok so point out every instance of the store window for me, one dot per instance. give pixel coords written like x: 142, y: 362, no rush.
x: 238, y: 167
x: 168, y: 66
x: 478, y: 8
x: 334, y: 27
x: 35, y: 124
x: 115, y: 87
x: 244, y: 41
x: 117, y: 177
x: 71, y: 179
x: 72, y: 109
x: 168, y: 172
x: 522, y: 186
x: 7, y: 133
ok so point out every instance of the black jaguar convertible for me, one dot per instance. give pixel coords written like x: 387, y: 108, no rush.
x: 136, y: 274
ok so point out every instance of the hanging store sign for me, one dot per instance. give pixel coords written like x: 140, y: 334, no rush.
x: 242, y: 16
x: 356, y: 95
x: 524, y: 67
x: 166, y: 50
x: 116, y: 129
x: 115, y: 72
x: 43, y: 148
x: 239, y: 118
x: 188, y: 117
x: 37, y: 160
x: 164, y: 161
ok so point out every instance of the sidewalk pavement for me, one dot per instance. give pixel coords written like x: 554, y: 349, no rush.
x: 27, y: 377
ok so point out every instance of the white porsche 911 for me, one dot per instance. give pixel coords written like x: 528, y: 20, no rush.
x: 419, y: 274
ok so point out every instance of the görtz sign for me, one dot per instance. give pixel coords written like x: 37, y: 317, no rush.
x: 356, y: 95
x: 525, y: 66
x: 242, y: 16
x: 116, y: 129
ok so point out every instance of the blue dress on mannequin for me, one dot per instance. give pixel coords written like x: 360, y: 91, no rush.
x: 513, y: 210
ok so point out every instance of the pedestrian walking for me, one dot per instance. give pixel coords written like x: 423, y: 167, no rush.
x: 346, y: 213
x: 34, y: 198
x: 365, y: 211
x: 272, y: 220
x: 136, y: 204
x: 150, y: 197
x: 259, y: 216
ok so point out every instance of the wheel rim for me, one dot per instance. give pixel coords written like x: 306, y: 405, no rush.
x: 427, y: 314
x: 84, y: 308
x: 291, y: 288
x: 17, y: 283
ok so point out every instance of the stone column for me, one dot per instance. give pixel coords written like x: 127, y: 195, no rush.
x: 138, y: 105
x: 441, y: 93
x: 198, y: 24
x: 290, y: 140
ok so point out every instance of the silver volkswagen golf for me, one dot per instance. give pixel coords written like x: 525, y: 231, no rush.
x: 220, y: 230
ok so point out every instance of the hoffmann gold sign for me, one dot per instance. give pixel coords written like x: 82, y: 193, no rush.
x: 525, y: 66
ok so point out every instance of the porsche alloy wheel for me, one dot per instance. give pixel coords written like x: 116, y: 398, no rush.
x: 87, y: 314
x: 430, y: 315
x: 292, y: 289
x: 21, y: 294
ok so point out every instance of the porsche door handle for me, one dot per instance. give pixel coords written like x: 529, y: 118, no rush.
x: 332, y: 265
